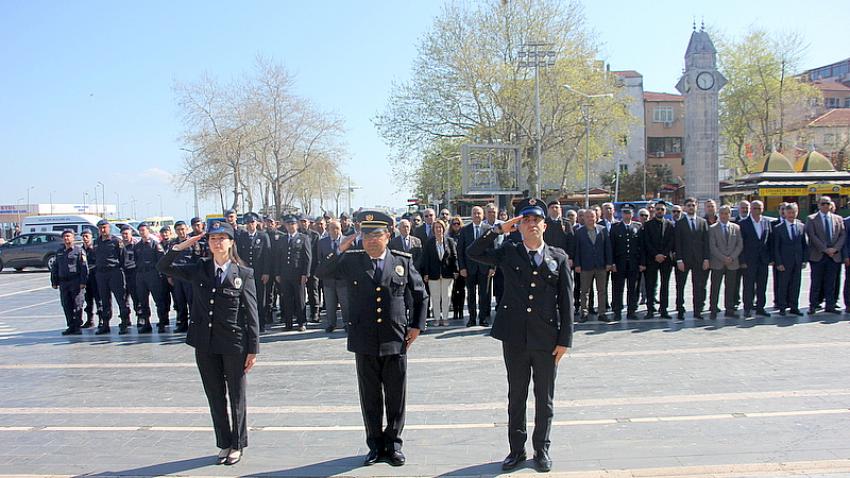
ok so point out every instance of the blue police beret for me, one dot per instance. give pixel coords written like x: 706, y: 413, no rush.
x: 179, y: 223
x: 196, y: 220
x: 102, y: 222
x: 251, y: 217
x: 68, y: 231
x: 289, y: 218
x: 229, y: 212
x: 221, y: 228
x: 141, y: 225
x: 531, y: 206
x: 164, y: 229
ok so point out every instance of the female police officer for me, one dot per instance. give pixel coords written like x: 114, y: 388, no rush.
x: 223, y: 329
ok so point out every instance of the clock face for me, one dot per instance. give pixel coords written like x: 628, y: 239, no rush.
x: 705, y: 80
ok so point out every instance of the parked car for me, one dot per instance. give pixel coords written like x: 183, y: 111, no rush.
x: 30, y: 250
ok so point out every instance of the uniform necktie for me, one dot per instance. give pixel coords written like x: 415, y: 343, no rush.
x: 406, y: 244
x: 376, y: 263
x: 693, y: 225
x: 827, y: 228
x: 533, y: 256
x: 335, y: 246
x: 219, y: 275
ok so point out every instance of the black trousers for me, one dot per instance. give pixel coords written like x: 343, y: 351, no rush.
x: 167, y: 291
x: 130, y: 290
x: 787, y: 285
x: 182, y: 300
x: 458, y: 296
x: 111, y: 283
x: 478, y: 295
x: 314, y: 299
x: 577, y: 290
x: 382, y: 382
x: 498, y: 285
x: 698, y: 280
x: 92, y: 297
x: 71, y: 297
x: 653, y: 270
x: 629, y: 280
x: 293, y: 304
x: 149, y: 283
x: 755, y: 286
x: 223, y: 377
x: 823, y: 282
x: 523, y: 365
x: 262, y: 299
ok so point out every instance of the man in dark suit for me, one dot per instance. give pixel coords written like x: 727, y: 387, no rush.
x: 626, y: 252
x: 314, y: 300
x: 790, y: 252
x: 423, y: 231
x: 657, y: 244
x: 378, y: 330
x: 559, y: 232
x: 534, y: 323
x: 825, y: 233
x: 407, y: 242
x: 755, y: 259
x: 593, y: 261
x: 692, y: 254
x: 254, y: 247
x: 293, y: 260
x: 477, y: 275
x: 334, y: 287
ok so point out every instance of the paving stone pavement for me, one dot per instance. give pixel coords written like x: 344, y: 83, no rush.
x: 742, y: 397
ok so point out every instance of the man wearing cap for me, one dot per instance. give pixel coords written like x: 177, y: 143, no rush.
x: 272, y: 287
x: 314, y: 300
x: 69, y: 274
x: 182, y: 288
x: 92, y: 298
x: 534, y: 322
x: 129, y: 268
x: 166, y: 234
x: 627, y: 251
x: 201, y: 248
x: 379, y: 333
x: 233, y: 219
x: 292, y: 268
x: 109, y: 257
x: 254, y: 248
x: 147, y: 253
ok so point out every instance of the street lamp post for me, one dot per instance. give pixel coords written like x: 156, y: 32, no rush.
x: 102, y: 197
x: 585, y: 114
x: 118, y: 205
x: 28, y: 198
x: 535, y: 54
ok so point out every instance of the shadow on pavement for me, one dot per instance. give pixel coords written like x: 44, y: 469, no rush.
x: 325, y: 468
x: 485, y: 469
x: 160, y: 469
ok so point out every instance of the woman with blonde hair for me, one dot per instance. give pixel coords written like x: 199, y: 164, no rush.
x: 439, y: 269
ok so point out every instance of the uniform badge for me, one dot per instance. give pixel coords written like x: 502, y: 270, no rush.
x: 532, y: 201
x: 298, y: 241
x: 552, y: 265
x: 399, y: 269
x: 237, y: 282
x: 258, y: 240
x: 369, y: 217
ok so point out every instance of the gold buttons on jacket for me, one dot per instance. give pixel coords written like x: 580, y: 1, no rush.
x: 377, y: 299
x: 378, y: 310
x: 379, y: 321
x: 377, y: 289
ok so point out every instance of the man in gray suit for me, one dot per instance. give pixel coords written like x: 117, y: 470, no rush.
x: 725, y: 245
x: 334, y: 288
x: 825, y: 232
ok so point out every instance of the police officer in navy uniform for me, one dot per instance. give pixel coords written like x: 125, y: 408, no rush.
x: 292, y: 268
x: 166, y: 235
x: 378, y: 331
x: 534, y: 321
x: 70, y: 274
x: 147, y: 254
x: 314, y: 300
x: 224, y: 330
x: 272, y: 288
x: 129, y: 269
x: 91, y: 295
x: 109, y: 254
x: 627, y: 250
x: 200, y: 249
x: 182, y: 289
x: 254, y: 249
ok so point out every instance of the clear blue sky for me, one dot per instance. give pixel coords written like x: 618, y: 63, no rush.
x: 86, y: 90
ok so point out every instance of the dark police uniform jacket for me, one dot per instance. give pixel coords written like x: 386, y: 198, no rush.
x: 69, y: 264
x: 293, y: 256
x: 559, y: 233
x: 109, y: 253
x: 147, y: 255
x: 536, y: 311
x: 377, y: 323
x: 224, y: 319
x: 626, y: 246
x: 255, y: 251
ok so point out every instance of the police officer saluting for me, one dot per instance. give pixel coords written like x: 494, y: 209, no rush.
x: 534, y: 321
x: 109, y: 252
x: 147, y: 253
x: 224, y: 330
x: 378, y: 331
x: 254, y: 249
x: 70, y: 274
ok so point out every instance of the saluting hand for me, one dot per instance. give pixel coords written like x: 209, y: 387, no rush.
x: 191, y: 241
x: 250, y: 360
x: 346, y: 243
x: 510, y: 225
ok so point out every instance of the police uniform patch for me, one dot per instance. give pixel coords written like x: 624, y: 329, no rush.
x: 552, y: 264
x: 258, y: 240
x: 237, y: 282
x: 399, y: 269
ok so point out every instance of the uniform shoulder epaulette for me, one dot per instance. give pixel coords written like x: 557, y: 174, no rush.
x: 401, y: 253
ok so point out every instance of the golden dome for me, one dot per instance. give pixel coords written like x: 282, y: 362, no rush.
x: 776, y: 162
x: 813, y: 161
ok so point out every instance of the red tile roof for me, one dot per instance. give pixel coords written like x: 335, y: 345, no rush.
x: 830, y: 86
x: 834, y: 117
x: 628, y: 74
x: 653, y: 96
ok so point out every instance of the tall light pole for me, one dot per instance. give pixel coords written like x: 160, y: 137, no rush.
x: 28, y: 197
x: 585, y: 114
x: 102, y: 197
x: 51, y: 201
x: 160, y: 204
x: 535, y: 54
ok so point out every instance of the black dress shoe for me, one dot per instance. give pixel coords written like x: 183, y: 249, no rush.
x: 123, y: 330
x: 484, y: 323
x: 395, y: 458
x: 329, y: 329
x: 146, y: 329
x: 812, y: 310
x: 831, y: 310
x: 471, y: 323
x: 582, y: 318
x: 371, y: 458
x: 731, y: 315
x: 182, y: 329
x: 747, y: 313
x: 631, y: 316
x: 617, y: 316
x: 542, y: 462
x: 796, y: 312
x: 513, y: 460
x: 160, y: 328
x: 697, y: 315
x: 104, y: 329
x: 782, y: 312
x: 665, y: 315
x: 680, y: 316
x: 762, y: 312
x: 712, y: 316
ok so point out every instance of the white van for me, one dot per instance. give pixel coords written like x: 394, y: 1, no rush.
x: 58, y: 223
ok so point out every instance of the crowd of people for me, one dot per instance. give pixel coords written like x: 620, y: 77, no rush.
x: 633, y: 255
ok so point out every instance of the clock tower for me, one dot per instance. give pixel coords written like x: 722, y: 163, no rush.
x: 700, y: 84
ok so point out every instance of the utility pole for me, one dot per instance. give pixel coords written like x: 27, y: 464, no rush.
x: 534, y: 54
x: 195, y: 193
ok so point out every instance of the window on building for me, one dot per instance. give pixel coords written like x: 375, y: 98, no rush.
x: 662, y: 114
x: 669, y: 145
x: 847, y: 102
x: 624, y: 168
x: 832, y: 102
